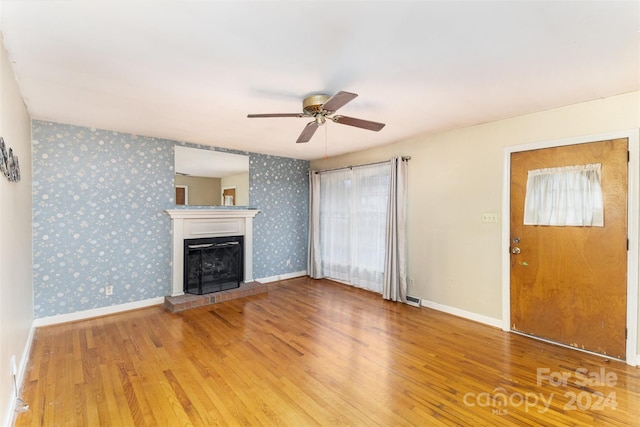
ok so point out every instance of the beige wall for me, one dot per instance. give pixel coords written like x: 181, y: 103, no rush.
x: 241, y: 183
x: 455, y: 176
x: 16, y: 288
x: 202, y: 191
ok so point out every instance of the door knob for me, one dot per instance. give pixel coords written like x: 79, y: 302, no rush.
x: 515, y: 250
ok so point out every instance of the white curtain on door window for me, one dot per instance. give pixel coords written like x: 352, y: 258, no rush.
x: 565, y: 196
x: 353, y: 214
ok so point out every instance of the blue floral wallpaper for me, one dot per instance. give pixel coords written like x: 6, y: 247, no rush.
x: 279, y: 188
x: 98, y: 216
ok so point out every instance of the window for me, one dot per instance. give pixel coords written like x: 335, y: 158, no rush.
x: 353, y: 212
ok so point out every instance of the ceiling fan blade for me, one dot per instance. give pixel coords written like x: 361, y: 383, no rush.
x: 308, y: 132
x: 254, y: 116
x: 338, y: 100
x: 359, y: 123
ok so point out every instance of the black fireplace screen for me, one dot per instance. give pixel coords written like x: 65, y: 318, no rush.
x: 212, y: 264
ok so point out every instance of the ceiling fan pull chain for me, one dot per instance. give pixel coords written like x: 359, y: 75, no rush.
x: 326, y: 132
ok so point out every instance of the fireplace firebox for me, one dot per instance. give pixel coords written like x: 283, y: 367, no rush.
x: 213, y: 264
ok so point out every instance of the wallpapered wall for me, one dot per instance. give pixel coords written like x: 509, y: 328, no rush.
x: 98, y: 216
x: 279, y: 188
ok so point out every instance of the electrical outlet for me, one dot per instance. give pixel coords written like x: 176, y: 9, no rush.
x: 108, y: 290
x: 288, y: 263
x: 14, y: 367
x: 411, y: 282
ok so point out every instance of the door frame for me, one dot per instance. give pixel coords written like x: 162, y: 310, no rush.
x: 633, y: 218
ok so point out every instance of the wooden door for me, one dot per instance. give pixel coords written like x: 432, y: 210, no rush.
x: 569, y: 284
x: 180, y: 196
x: 229, y: 192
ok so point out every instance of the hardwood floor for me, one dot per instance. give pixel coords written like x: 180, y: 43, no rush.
x: 313, y: 352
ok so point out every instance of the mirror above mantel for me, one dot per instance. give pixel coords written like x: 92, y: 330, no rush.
x: 210, y: 178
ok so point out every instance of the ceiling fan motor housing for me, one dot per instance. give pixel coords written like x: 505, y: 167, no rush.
x: 313, y: 104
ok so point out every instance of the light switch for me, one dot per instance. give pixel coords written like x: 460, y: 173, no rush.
x: 489, y: 217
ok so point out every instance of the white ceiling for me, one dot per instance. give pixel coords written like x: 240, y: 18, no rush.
x: 193, y: 70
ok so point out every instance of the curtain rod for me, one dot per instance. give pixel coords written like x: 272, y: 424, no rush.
x: 404, y: 158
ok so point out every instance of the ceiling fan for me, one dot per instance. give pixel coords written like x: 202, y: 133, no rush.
x: 322, y: 107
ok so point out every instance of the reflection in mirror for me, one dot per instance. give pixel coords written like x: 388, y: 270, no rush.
x: 211, y: 178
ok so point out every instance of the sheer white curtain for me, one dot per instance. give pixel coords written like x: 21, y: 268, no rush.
x: 353, y: 210
x: 565, y: 196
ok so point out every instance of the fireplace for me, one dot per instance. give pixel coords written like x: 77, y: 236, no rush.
x: 189, y: 224
x: 212, y: 264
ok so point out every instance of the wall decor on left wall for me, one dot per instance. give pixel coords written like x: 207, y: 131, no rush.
x: 9, y: 165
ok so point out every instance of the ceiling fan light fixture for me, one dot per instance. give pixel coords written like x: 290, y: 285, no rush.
x: 320, y: 119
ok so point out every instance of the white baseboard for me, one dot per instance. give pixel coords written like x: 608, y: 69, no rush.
x: 463, y: 313
x: 282, y: 277
x: 96, y: 312
x: 10, y: 417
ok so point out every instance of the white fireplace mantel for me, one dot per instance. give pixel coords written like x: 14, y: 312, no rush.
x: 201, y: 223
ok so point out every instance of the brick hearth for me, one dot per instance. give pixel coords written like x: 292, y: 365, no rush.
x: 187, y: 301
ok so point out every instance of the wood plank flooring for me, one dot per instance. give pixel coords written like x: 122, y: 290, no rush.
x: 314, y: 352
